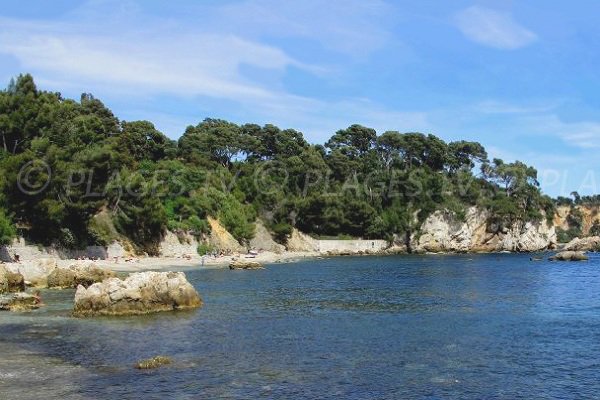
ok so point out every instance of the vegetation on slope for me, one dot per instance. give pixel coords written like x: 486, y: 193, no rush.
x: 74, y: 175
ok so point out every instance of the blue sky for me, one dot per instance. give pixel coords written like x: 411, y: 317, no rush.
x: 522, y: 78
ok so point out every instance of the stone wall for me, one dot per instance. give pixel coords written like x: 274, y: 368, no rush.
x: 351, y: 246
x: 32, y: 252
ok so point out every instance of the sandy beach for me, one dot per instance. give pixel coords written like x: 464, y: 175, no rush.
x: 134, y: 264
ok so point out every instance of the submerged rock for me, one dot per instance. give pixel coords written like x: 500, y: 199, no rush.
x: 240, y: 264
x: 76, y: 274
x: 154, y: 362
x: 11, y: 282
x: 140, y: 293
x: 569, y: 256
x: 19, y: 302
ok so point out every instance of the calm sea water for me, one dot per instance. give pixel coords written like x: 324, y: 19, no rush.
x: 425, y: 327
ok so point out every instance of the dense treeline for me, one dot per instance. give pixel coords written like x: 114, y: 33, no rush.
x: 74, y: 175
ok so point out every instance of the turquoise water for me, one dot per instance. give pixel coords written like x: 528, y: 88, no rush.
x: 425, y: 327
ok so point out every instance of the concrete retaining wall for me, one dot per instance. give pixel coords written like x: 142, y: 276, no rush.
x: 32, y: 252
x: 351, y: 246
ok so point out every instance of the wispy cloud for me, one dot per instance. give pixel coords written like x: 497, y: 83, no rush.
x: 194, y: 64
x: 581, y: 134
x: 493, y: 28
x: 352, y: 27
x: 142, y: 56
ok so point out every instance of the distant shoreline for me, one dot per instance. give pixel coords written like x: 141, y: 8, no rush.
x: 165, y: 263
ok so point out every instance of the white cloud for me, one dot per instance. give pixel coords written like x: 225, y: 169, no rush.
x: 194, y: 64
x: 353, y: 27
x: 493, y: 28
x: 126, y: 53
x: 582, y: 134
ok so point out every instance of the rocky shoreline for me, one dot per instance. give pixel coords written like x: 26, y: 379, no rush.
x: 144, y: 290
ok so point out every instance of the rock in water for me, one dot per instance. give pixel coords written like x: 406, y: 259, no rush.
x: 245, y: 265
x: 76, y: 274
x: 140, y: 293
x: 11, y: 281
x: 153, y: 362
x: 569, y: 256
x: 34, y: 272
x: 19, y: 302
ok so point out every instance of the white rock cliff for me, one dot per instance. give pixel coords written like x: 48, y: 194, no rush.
x: 444, y: 232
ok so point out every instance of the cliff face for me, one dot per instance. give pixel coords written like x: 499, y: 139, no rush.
x: 263, y: 240
x: 221, y: 239
x: 589, y: 215
x: 443, y: 232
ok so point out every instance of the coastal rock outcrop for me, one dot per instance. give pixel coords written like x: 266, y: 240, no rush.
x: 35, y: 272
x: 11, y: 282
x: 81, y: 273
x: 241, y: 264
x: 442, y: 231
x: 19, y: 302
x: 591, y: 243
x: 140, y: 293
x: 569, y: 256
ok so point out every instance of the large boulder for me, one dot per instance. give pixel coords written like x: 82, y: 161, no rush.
x: 569, y: 256
x: 35, y: 272
x: 19, y: 302
x: 81, y: 273
x: 11, y: 281
x: 140, y: 293
x: 241, y: 264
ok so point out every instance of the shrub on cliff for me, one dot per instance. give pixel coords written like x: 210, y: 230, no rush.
x: 7, y: 230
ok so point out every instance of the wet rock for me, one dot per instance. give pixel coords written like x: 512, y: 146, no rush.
x: 140, y: 293
x: 19, y: 302
x: 11, y: 282
x: 76, y: 274
x: 154, y: 362
x: 569, y: 256
x: 240, y: 264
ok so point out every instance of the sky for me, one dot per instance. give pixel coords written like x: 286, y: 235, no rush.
x: 522, y: 78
